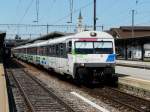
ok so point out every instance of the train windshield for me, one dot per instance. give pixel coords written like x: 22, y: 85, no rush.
x: 97, y: 47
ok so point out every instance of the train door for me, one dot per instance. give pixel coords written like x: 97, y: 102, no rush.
x: 62, y: 59
x: 70, y: 58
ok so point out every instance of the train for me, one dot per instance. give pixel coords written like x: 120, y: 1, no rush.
x: 87, y: 57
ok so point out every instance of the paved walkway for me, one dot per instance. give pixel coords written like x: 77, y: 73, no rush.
x: 4, y: 106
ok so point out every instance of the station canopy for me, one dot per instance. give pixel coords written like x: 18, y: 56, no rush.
x: 125, y: 32
x: 2, y: 38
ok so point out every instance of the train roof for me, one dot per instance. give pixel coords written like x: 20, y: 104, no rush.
x: 85, y: 34
x: 99, y: 34
x: 48, y: 36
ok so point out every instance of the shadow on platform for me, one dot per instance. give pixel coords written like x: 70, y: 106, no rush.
x: 12, y: 64
x: 121, y: 75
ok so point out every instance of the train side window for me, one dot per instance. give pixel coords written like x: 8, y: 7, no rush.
x: 61, y: 49
x: 64, y: 51
x: 51, y: 50
x: 69, y: 47
x: 47, y: 50
x: 57, y: 50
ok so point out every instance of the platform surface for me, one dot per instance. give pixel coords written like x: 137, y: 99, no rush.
x: 134, y: 72
x: 4, y: 106
x: 132, y: 75
x: 135, y: 82
x: 136, y: 69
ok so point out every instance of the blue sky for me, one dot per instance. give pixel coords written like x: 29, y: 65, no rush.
x: 110, y: 13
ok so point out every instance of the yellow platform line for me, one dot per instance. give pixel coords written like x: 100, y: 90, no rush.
x: 4, y: 106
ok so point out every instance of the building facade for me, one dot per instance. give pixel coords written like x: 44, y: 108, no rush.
x: 132, y: 43
x: 2, y: 36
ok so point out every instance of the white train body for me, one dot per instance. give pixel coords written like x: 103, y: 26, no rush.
x: 76, y: 55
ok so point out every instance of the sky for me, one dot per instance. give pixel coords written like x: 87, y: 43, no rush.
x: 110, y: 13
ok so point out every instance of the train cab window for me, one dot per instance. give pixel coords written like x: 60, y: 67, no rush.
x: 103, y: 47
x: 98, y: 47
x: 82, y: 47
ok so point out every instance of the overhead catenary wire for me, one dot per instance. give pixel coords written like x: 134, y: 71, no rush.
x: 18, y: 6
x: 123, y: 14
x: 51, y: 4
x: 26, y: 11
x: 73, y: 12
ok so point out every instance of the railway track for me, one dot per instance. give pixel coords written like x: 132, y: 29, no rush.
x: 18, y: 102
x: 121, y: 100
x: 38, y: 97
x: 112, y: 96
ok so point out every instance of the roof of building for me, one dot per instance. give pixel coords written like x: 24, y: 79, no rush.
x: 125, y: 32
x: 136, y: 28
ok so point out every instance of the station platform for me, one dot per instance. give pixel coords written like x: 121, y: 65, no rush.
x: 4, y: 104
x: 134, y: 73
x: 135, y: 64
x: 135, y: 82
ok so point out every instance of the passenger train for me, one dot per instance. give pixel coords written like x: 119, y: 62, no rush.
x: 88, y: 56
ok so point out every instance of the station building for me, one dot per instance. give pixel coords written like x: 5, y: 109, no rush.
x: 132, y: 44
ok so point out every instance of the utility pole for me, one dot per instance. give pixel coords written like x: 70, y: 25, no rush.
x: 37, y: 11
x: 47, y: 27
x: 71, y: 11
x: 102, y: 28
x: 133, y: 12
x: 94, y: 14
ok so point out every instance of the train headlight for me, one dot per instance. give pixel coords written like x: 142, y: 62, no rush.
x: 82, y: 64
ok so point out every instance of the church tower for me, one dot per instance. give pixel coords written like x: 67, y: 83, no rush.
x: 80, y: 25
